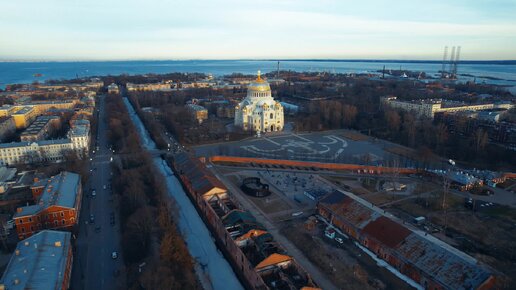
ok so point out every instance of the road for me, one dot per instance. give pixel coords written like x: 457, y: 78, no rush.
x: 94, y: 268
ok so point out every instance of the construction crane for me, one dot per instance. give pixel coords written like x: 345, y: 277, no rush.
x: 452, y: 59
x: 455, y: 63
x: 443, y: 68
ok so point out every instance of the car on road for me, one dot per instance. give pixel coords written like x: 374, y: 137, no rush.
x: 339, y: 240
x: 97, y: 229
x: 105, y: 187
x: 92, y: 218
x: 114, y: 255
x: 93, y: 193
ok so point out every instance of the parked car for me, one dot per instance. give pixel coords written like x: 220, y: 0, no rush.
x: 114, y: 255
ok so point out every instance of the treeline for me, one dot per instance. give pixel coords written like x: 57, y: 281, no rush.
x: 426, y: 136
x: 152, y: 78
x: 151, y: 124
x: 149, y: 233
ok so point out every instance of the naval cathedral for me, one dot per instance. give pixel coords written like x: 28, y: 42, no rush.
x: 259, y: 112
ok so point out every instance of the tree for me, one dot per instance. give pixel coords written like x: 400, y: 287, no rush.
x: 393, y: 120
x: 409, y: 128
x: 481, y: 139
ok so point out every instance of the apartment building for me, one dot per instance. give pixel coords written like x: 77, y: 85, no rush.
x: 199, y: 113
x: 40, y: 129
x: 43, y: 261
x: 24, y: 117
x: 427, y: 108
x: 58, y: 205
x: 78, y: 140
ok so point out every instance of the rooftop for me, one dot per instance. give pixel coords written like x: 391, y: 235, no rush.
x: 23, y: 111
x: 39, y: 262
x: 447, y: 265
x: 60, y: 190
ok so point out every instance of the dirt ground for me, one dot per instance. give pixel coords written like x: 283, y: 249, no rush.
x: 487, y: 235
x: 270, y: 205
x: 345, y: 264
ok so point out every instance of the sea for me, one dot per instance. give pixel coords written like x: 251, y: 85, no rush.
x: 499, y: 73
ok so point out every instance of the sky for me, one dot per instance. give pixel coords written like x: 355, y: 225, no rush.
x: 261, y: 29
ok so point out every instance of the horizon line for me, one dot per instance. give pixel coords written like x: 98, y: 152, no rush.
x: 268, y: 59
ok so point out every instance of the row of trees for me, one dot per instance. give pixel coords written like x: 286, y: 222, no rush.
x: 147, y: 222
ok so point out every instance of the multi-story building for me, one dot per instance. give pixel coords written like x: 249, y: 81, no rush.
x: 427, y: 108
x: 8, y: 110
x: 199, y: 113
x: 24, y: 116
x: 423, y: 258
x: 77, y: 141
x: 148, y: 87
x: 58, y: 205
x: 7, y: 127
x: 113, y: 89
x: 43, y: 106
x: 40, y: 129
x: 43, y: 261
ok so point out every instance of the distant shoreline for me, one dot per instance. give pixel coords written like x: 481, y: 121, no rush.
x: 487, y: 62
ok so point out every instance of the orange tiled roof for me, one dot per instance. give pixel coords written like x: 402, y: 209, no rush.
x: 251, y: 233
x: 273, y: 260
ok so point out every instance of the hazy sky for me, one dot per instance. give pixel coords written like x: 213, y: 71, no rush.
x: 233, y: 29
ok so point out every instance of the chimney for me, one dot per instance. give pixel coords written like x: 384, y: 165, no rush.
x: 16, y: 281
x: 27, y: 243
x: 20, y: 209
x: 17, y: 252
x: 36, y: 179
x: 57, y: 244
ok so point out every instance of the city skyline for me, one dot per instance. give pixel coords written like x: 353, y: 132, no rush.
x: 161, y: 30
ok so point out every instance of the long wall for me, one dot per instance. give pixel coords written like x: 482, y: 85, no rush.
x: 319, y: 165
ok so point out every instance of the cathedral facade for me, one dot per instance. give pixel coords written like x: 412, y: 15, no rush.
x: 259, y: 112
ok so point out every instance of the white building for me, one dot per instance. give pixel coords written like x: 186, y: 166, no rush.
x: 46, y: 150
x: 259, y: 112
x: 426, y: 108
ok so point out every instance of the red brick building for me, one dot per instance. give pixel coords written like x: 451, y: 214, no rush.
x: 58, y: 202
x: 423, y: 258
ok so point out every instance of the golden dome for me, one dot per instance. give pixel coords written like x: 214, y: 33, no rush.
x: 259, y: 85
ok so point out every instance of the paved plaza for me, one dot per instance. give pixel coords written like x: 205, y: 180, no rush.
x: 320, y: 146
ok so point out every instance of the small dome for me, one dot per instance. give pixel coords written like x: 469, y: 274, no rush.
x: 259, y: 85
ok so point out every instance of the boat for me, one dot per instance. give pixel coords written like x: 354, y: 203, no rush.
x: 37, y: 75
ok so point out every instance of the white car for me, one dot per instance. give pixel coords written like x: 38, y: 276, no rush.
x: 114, y: 255
x: 339, y: 240
x: 105, y: 187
